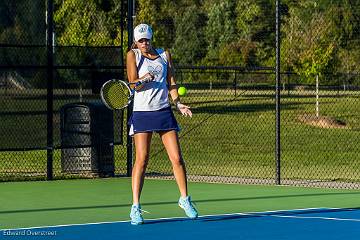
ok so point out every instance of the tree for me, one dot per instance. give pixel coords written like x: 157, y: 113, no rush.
x: 82, y: 23
x: 81, y: 26
x: 347, y: 18
x: 22, y: 23
x: 310, y: 42
x: 190, y: 42
x: 255, y: 26
x: 220, y: 29
x: 239, y: 32
x: 159, y: 14
x: 349, y: 64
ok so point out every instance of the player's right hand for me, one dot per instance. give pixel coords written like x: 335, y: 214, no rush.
x: 148, y: 77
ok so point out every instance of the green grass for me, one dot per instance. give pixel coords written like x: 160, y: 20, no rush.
x: 232, y: 135
x: 238, y: 137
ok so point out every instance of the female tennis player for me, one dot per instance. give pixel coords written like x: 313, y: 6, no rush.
x: 152, y: 113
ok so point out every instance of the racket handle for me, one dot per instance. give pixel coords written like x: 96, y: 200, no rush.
x: 140, y: 84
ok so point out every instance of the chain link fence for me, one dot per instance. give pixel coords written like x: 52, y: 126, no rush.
x: 224, y: 52
x: 86, y: 140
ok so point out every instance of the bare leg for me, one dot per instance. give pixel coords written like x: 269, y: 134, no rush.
x: 142, y: 146
x: 172, y: 146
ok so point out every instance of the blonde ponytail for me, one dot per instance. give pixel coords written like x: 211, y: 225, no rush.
x: 133, y: 45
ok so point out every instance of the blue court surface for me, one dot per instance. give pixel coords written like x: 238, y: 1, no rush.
x: 313, y: 223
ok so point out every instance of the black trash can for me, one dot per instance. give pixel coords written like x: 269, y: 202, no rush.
x: 87, y: 139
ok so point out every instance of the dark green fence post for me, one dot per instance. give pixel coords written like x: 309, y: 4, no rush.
x: 277, y: 76
x: 129, y: 145
x: 50, y: 80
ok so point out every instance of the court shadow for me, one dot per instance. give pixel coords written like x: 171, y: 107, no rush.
x: 245, y: 107
x: 175, y: 202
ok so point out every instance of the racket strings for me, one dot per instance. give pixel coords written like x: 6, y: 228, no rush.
x: 116, y: 95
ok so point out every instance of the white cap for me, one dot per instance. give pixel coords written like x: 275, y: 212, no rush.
x: 142, y: 31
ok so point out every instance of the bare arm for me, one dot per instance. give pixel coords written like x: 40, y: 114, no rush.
x: 173, y: 90
x: 171, y: 80
x: 132, y: 69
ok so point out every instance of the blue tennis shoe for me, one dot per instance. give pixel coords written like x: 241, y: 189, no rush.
x: 186, y: 204
x: 136, y: 215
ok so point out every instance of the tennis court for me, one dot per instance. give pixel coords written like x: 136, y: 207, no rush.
x: 99, y: 208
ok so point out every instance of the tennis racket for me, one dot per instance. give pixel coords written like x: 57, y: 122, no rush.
x: 117, y: 94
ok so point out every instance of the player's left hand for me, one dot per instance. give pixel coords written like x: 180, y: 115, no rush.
x: 185, y: 110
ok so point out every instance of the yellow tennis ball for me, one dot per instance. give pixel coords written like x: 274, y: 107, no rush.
x: 182, y: 91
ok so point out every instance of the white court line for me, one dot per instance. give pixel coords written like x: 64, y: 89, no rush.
x: 175, y: 218
x: 321, y: 218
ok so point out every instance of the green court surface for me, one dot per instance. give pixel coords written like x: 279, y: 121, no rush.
x: 31, y: 204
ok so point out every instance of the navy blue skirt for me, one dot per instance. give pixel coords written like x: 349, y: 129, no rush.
x: 152, y: 121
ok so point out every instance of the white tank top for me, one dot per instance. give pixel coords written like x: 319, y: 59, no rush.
x: 154, y: 95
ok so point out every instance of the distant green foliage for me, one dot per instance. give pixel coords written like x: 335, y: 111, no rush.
x: 160, y: 15
x: 190, y: 43
x: 82, y: 23
x: 22, y: 22
x: 317, y: 36
x: 310, y: 41
x: 220, y: 29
